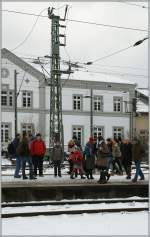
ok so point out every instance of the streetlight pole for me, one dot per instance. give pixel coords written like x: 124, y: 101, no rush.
x: 91, y: 111
x: 91, y: 114
x: 15, y: 101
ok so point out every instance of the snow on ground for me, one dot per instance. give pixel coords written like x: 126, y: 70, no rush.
x: 73, y: 207
x: 83, y: 224
x: 5, y: 161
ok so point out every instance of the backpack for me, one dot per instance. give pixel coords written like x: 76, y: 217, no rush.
x: 11, y: 149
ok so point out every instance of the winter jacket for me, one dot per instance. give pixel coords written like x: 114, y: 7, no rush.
x: 103, y: 151
x: 57, y: 153
x: 38, y: 148
x: 76, y: 157
x: 15, y: 143
x: 127, y: 153
x: 71, y: 146
x: 138, y: 152
x: 23, y: 148
x: 109, y: 150
x: 116, y: 151
x: 89, y: 152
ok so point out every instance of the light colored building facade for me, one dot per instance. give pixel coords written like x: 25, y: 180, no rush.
x: 111, y: 116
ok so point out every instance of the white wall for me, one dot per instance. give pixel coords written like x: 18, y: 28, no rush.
x: 33, y: 84
x: 107, y: 122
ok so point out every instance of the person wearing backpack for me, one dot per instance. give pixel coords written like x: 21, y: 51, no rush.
x: 116, y: 152
x: 15, y: 143
x: 102, y: 162
x: 24, y: 153
x: 57, y: 156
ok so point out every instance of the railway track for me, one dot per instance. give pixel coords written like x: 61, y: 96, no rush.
x: 76, y: 202
x: 73, y: 211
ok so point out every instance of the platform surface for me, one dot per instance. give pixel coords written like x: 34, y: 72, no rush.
x: 50, y: 180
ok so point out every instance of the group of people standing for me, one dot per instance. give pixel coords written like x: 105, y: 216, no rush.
x: 29, y: 149
x: 110, y: 156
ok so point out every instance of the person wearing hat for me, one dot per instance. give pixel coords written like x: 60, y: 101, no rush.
x: 38, y: 149
x: 89, y: 153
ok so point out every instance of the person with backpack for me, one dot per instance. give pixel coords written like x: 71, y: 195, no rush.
x: 116, y: 152
x: 25, y: 156
x: 102, y: 162
x: 15, y: 143
x: 57, y: 157
x: 38, y: 149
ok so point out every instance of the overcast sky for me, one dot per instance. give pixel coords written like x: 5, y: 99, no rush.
x: 84, y: 42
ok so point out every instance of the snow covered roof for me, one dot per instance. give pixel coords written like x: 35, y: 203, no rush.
x: 82, y: 75
x: 92, y: 76
x: 142, y: 107
x: 143, y: 91
x: 34, y: 66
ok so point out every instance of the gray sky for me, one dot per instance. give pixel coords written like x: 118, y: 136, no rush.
x: 84, y: 42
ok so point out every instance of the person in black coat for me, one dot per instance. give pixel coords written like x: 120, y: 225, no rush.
x: 127, y: 157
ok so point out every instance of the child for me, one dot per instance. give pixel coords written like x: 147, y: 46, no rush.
x: 76, y: 157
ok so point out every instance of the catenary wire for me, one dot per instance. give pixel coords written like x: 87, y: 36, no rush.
x: 133, y: 4
x: 30, y: 32
x: 79, y: 21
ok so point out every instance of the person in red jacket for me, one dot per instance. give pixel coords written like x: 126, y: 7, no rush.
x: 38, y: 150
x: 76, y: 157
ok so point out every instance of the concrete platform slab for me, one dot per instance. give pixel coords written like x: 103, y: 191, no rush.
x: 50, y: 188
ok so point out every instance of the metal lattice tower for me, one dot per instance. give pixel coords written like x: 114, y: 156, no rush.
x: 56, y: 124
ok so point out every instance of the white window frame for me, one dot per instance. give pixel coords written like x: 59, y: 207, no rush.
x: 98, y: 103
x: 9, y: 94
x: 76, y: 130
x: 26, y: 97
x: 118, y: 132
x: 26, y: 129
x: 78, y: 99
x: 5, y: 127
x: 117, y: 103
x: 99, y: 129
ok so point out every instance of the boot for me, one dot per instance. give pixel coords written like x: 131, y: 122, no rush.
x: 71, y: 176
x: 33, y: 177
x: 82, y: 177
x: 25, y: 177
x: 91, y: 176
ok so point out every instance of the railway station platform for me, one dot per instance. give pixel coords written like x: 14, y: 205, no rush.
x: 50, y: 188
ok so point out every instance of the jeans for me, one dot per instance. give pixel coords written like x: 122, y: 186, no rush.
x: 127, y: 167
x: 138, y: 170
x: 38, y: 164
x: 29, y: 161
x: 18, y: 166
x: 118, y: 162
x: 57, y: 167
x: 110, y: 164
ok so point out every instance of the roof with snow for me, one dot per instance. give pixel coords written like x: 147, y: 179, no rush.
x: 142, y: 107
x: 41, y: 68
x: 102, y: 77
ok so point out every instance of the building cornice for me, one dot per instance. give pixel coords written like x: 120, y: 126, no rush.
x: 67, y: 112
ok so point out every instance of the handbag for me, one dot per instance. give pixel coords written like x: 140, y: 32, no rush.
x: 101, y: 162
